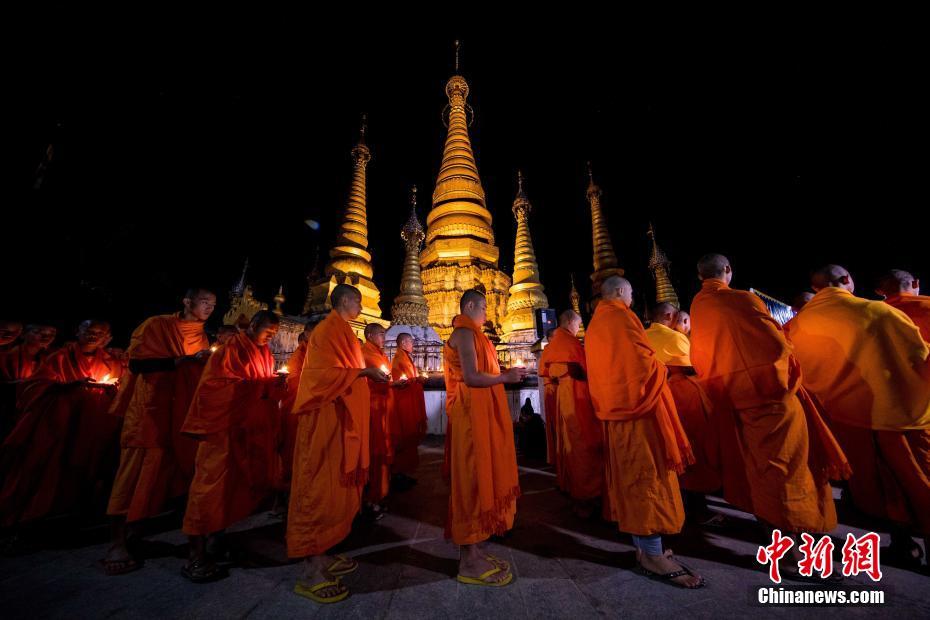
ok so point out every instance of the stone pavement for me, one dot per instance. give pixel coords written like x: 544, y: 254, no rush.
x: 565, y: 568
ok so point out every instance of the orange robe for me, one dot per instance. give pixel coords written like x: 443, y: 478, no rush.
x: 917, y: 308
x: 236, y: 418
x: 331, y: 458
x: 646, y: 447
x: 408, y: 426
x: 579, y: 434
x: 17, y: 365
x: 295, y: 365
x: 64, y: 444
x: 694, y: 407
x: 482, y: 457
x: 776, y: 454
x: 382, y: 409
x: 867, y: 364
x: 156, y: 460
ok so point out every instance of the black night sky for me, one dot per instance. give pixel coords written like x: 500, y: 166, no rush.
x: 177, y: 155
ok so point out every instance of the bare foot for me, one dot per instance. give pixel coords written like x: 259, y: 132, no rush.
x: 665, y: 564
x: 118, y: 560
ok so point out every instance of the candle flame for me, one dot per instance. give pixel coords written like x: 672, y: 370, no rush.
x: 106, y: 378
x: 213, y: 349
x: 283, y: 370
x: 385, y: 370
x: 403, y: 377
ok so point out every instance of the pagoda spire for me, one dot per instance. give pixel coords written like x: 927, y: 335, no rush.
x: 575, y: 300
x: 526, y: 292
x: 410, y: 306
x: 605, y: 259
x: 659, y: 266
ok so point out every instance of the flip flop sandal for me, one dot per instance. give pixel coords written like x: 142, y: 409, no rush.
x: 119, y: 567
x: 496, y: 561
x: 311, y: 592
x: 482, y: 579
x: 669, y: 577
x: 203, y: 572
x: 342, y: 566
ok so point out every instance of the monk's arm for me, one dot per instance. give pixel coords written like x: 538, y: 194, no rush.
x: 463, y: 342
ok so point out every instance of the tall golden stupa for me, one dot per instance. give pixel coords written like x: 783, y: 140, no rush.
x: 659, y: 266
x: 526, y: 292
x: 575, y: 300
x: 605, y: 260
x: 349, y: 259
x: 460, y: 252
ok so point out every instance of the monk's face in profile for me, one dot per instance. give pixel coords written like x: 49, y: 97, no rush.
x: 9, y: 331
x: 263, y: 333
x: 93, y: 336
x: 626, y: 295
x: 683, y: 323
x: 201, y: 306
x: 572, y: 325
x: 376, y: 337
x: 477, y: 311
x: 406, y: 344
x: 42, y: 336
x: 352, y: 305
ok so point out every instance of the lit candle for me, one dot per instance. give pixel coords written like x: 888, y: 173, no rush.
x: 213, y: 349
x: 385, y: 370
x: 283, y: 370
x: 403, y: 377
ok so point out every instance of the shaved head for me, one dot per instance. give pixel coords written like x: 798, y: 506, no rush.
x: 619, y: 289
x: 832, y: 275
x: 374, y: 333
x: 898, y: 282
x: 474, y: 305
x: 9, y: 331
x: 683, y: 323
x: 570, y: 322
x: 470, y: 296
x: 92, y: 335
x: 405, y: 341
x: 715, y: 267
x: 664, y: 314
x: 346, y: 300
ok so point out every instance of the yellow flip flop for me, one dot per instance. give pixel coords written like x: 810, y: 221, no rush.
x: 481, y: 580
x: 348, y: 566
x: 496, y: 561
x: 311, y: 592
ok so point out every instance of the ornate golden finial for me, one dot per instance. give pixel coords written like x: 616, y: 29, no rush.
x: 363, y: 129
x: 238, y: 289
x: 410, y: 306
x: 458, y: 45
x: 278, y: 301
x: 521, y: 204
x: 659, y: 266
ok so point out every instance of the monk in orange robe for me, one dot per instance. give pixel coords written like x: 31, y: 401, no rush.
x: 236, y: 419
x: 694, y: 410
x: 9, y: 332
x: 776, y: 453
x: 382, y: 410
x: 331, y: 458
x: 646, y: 447
x: 166, y: 358
x: 408, y: 426
x: 63, y: 447
x: 294, y: 366
x: 579, y: 435
x: 867, y: 364
x: 482, y: 456
x: 17, y: 364
x: 901, y: 290
x: 20, y: 362
x: 550, y: 413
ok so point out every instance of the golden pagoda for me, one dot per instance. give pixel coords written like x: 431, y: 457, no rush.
x: 605, y: 260
x: 575, y: 300
x: 410, y: 307
x: 279, y: 299
x: 526, y: 292
x: 242, y: 303
x: 460, y: 253
x: 350, y: 261
x: 659, y: 266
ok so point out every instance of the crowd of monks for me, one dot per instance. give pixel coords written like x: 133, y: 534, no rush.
x: 642, y: 424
